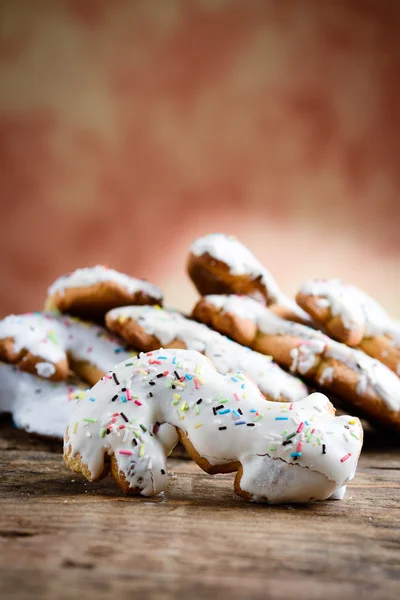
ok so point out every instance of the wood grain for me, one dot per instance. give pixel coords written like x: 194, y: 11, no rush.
x: 65, y: 538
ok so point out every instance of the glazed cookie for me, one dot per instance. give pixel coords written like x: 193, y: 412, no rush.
x: 91, y: 292
x: 220, y: 264
x: 281, y: 452
x: 38, y: 406
x: 352, y: 317
x: 348, y: 373
x: 148, y: 328
x: 49, y: 345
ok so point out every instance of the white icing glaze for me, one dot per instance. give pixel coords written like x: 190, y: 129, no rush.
x: 226, y: 419
x: 380, y: 378
x: 38, y: 406
x: 228, y: 249
x: 92, y: 275
x: 357, y: 310
x: 225, y: 354
x: 52, y: 337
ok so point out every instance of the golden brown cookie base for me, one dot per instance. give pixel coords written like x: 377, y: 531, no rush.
x: 345, y: 380
x: 94, y: 301
x: 26, y: 361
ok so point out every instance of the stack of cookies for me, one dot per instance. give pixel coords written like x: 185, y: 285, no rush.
x: 333, y: 338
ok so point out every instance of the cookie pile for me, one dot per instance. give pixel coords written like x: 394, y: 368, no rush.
x: 231, y: 382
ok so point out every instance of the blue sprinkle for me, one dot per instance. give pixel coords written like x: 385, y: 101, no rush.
x: 240, y: 422
x: 306, y: 422
x: 295, y: 454
x: 236, y: 413
x: 224, y: 411
x: 174, y: 360
x: 162, y: 357
x: 281, y: 418
x: 234, y: 379
x: 117, y: 350
x: 242, y: 386
x: 123, y: 398
x: 92, y: 399
x: 253, y: 410
x: 188, y: 377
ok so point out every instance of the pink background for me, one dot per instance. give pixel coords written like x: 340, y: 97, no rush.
x: 128, y: 128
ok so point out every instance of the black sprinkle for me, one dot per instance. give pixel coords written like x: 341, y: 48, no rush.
x: 221, y: 428
x: 150, y: 395
x: 108, y: 431
x: 150, y: 434
x: 115, y: 379
x: 346, y: 427
x: 134, y: 441
x: 158, y: 424
x: 152, y: 383
x: 199, y: 401
x: 219, y: 407
x: 38, y: 391
x: 173, y: 386
x: 160, y: 375
x: 323, y: 449
x: 251, y: 424
x: 214, y: 410
x: 286, y: 442
x: 162, y: 472
x: 124, y: 417
x: 240, y: 411
x: 143, y: 427
x: 123, y: 389
x: 176, y: 375
x: 113, y: 399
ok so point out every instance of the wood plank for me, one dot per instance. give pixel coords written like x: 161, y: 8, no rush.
x: 63, y: 537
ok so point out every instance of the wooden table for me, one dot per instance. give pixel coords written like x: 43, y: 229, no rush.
x: 65, y: 538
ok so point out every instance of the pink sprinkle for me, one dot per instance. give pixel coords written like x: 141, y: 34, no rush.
x: 299, y: 447
x: 128, y: 395
x: 127, y: 452
x: 300, y: 427
x: 90, y: 349
x: 138, y: 402
x: 313, y: 431
x: 165, y: 373
x: 236, y: 396
x: 196, y: 384
x: 122, y: 427
x: 152, y: 361
x: 108, y: 376
x: 115, y: 414
x: 291, y: 406
x: 344, y: 458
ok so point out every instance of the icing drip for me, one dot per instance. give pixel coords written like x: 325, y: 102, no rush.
x: 357, y: 310
x: 228, y: 249
x: 51, y: 337
x: 223, y: 353
x: 382, y: 380
x: 92, y: 275
x: 38, y: 406
x: 226, y: 420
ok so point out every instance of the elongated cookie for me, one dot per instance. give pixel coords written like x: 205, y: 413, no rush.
x: 49, y: 345
x: 346, y: 372
x: 90, y: 292
x: 148, y: 328
x: 220, y: 264
x: 281, y: 452
x: 38, y: 406
x: 353, y: 317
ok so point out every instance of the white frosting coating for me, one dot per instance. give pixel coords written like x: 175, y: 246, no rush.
x: 92, y: 275
x: 225, y: 354
x: 373, y: 373
x: 228, y: 249
x: 38, y: 406
x: 52, y: 337
x: 288, y: 453
x: 357, y: 310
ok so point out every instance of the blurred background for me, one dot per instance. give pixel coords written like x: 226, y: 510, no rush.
x: 130, y: 127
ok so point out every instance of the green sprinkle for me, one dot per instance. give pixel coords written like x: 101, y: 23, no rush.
x: 196, y: 409
x: 135, y: 433
x: 128, y: 364
x: 259, y: 417
x: 132, y: 421
x: 102, y: 432
x: 90, y: 420
x: 272, y: 449
x: 175, y: 402
x: 289, y: 437
x: 141, y: 451
x: 354, y: 435
x: 143, y: 428
x: 75, y: 427
x: 319, y: 441
x: 224, y: 401
x: 284, y: 432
